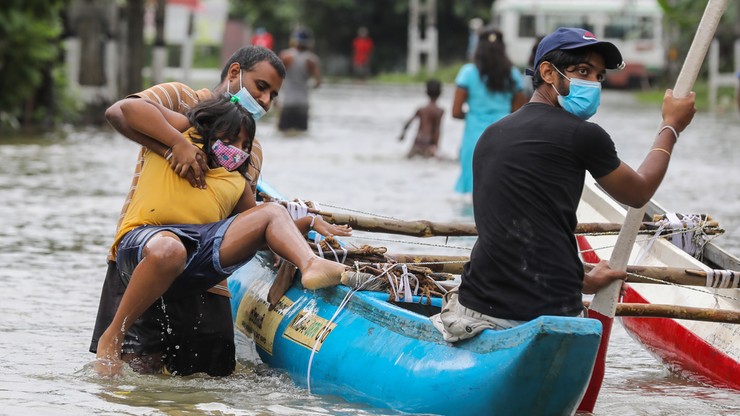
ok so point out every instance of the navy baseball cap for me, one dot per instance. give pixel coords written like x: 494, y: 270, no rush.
x: 568, y: 38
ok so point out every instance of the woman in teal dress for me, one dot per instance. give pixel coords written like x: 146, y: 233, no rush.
x: 492, y: 88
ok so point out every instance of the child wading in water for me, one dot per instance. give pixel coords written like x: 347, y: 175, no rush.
x: 430, y: 121
x: 177, y: 240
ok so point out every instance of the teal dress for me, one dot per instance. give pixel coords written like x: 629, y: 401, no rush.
x: 484, y: 108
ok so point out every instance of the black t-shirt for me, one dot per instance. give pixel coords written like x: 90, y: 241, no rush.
x: 528, y: 173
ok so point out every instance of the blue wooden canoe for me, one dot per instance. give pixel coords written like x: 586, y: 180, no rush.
x: 380, y: 353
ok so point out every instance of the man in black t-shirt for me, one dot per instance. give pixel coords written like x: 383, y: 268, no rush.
x: 528, y: 173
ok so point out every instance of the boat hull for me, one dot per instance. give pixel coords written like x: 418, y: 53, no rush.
x: 682, y: 350
x: 373, y: 351
x: 708, y: 352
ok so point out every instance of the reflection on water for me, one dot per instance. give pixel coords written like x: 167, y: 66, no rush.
x: 60, y: 199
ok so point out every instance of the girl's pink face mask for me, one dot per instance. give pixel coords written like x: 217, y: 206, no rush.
x: 229, y: 157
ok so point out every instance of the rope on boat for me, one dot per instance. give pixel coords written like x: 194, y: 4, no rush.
x: 594, y: 234
x: 649, y: 240
x: 362, y: 212
x: 720, y: 279
x: 317, y: 240
x: 404, y: 285
x: 341, y: 306
x: 688, y: 231
x: 687, y: 234
x: 388, y: 240
x: 690, y: 242
x: 723, y: 279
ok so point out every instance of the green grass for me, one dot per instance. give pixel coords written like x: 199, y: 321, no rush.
x: 725, y: 96
x: 206, y: 57
x: 445, y: 74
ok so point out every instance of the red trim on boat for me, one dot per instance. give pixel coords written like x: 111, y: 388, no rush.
x: 597, y: 376
x: 680, y: 349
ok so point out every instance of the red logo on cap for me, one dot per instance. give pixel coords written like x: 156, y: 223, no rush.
x: 589, y: 36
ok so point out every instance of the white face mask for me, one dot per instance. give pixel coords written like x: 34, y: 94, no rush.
x: 248, y: 102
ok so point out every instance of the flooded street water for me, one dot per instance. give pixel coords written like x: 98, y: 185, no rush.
x: 60, y: 197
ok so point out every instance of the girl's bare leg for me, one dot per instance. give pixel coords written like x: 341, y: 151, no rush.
x: 164, y: 258
x: 272, y: 225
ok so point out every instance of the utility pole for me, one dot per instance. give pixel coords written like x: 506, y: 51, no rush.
x: 134, y: 46
x: 422, y: 35
x: 159, y: 51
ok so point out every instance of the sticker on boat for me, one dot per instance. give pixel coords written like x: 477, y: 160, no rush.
x: 307, y: 328
x: 255, y: 318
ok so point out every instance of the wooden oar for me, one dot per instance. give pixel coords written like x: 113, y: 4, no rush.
x: 605, y: 302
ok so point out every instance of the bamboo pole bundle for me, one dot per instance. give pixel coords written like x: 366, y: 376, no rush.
x: 425, y: 228
x: 454, y: 265
x: 441, y: 268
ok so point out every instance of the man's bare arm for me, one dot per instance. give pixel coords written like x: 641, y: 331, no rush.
x: 115, y: 118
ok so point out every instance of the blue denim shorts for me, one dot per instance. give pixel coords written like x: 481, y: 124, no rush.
x: 203, y: 241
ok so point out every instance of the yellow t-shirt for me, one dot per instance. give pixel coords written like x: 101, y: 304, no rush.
x: 162, y: 197
x: 181, y: 98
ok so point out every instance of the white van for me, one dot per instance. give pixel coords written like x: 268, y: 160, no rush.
x: 634, y: 26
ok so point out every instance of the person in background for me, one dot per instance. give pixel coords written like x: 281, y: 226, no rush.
x: 528, y: 88
x: 262, y: 38
x: 529, y: 170
x: 474, y: 26
x: 192, y: 334
x: 426, y: 142
x: 301, y: 64
x: 491, y: 87
x: 362, y: 50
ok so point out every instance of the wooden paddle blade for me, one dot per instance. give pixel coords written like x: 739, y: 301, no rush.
x: 597, y: 376
x: 283, y: 281
x: 605, y: 300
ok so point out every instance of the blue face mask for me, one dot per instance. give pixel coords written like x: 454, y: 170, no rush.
x: 247, y: 101
x: 583, y: 99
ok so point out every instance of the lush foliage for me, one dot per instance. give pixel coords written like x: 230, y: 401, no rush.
x: 683, y: 18
x: 29, y: 51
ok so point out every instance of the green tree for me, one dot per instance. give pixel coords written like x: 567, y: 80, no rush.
x: 682, y: 18
x: 29, y: 55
